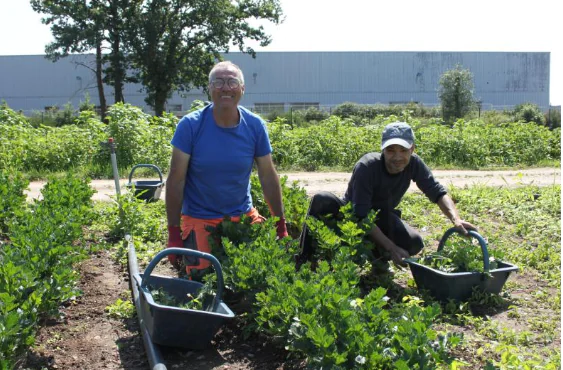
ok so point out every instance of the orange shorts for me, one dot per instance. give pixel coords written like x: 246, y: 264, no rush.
x: 201, y: 235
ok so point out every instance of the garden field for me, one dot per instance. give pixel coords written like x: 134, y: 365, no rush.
x: 64, y: 290
x: 96, y: 327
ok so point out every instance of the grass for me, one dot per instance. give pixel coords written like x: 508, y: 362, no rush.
x: 522, y: 326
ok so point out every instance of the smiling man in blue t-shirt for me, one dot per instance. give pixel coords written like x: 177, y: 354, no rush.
x: 214, y: 149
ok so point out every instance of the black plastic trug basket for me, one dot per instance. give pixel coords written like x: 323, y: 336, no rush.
x: 148, y: 190
x: 175, y: 326
x: 459, y: 285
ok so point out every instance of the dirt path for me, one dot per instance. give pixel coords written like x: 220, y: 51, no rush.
x: 336, y: 182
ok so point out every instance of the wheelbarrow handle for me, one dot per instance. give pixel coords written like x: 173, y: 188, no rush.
x: 186, y: 252
x: 473, y: 234
x: 145, y: 165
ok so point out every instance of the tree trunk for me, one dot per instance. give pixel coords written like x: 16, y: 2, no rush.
x: 116, y: 58
x: 99, y: 81
x: 159, y: 103
x: 118, y: 77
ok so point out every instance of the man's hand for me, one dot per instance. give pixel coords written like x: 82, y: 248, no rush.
x: 174, y: 241
x: 463, y: 226
x: 281, y: 228
x: 398, y: 254
x: 448, y: 208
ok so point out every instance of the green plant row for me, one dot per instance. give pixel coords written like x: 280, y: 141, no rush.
x: 320, y: 313
x: 363, y: 114
x: 37, y: 254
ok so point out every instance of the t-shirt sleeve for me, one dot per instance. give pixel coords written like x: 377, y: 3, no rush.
x: 263, y: 146
x: 183, y: 135
x: 427, y: 183
x: 362, y: 193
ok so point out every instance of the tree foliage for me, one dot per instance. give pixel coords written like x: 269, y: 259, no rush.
x: 168, y: 45
x: 529, y: 112
x: 456, y: 93
x: 174, y: 44
x: 82, y: 26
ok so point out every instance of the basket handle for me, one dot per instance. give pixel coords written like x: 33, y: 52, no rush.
x: 145, y: 165
x: 473, y: 234
x: 186, y: 252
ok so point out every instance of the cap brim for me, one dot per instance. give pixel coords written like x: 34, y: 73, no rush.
x: 405, y: 144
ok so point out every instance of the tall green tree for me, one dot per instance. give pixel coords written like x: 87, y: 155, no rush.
x: 76, y: 28
x: 118, y: 14
x: 456, y: 93
x: 168, y: 45
x: 174, y: 43
x: 83, y: 26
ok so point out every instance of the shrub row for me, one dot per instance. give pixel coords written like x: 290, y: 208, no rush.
x: 140, y: 138
x: 331, y: 143
x: 473, y: 144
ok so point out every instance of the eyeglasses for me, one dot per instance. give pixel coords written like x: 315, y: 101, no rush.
x: 218, y: 83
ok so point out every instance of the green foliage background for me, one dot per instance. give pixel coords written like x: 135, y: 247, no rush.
x: 333, y: 143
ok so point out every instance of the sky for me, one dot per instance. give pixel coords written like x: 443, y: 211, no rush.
x: 368, y: 25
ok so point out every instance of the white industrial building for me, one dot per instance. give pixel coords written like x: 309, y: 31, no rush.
x: 282, y: 80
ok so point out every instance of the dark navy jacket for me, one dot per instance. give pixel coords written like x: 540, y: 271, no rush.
x: 372, y: 187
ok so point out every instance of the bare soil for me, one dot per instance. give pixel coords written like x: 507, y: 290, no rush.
x: 85, y: 337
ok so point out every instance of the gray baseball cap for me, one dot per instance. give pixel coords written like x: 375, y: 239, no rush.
x: 397, y: 133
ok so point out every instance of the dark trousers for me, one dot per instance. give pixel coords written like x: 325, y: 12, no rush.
x: 389, y: 221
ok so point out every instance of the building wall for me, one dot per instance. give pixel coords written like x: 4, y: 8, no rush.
x: 502, y: 79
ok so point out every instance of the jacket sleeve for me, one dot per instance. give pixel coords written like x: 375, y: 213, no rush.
x: 426, y: 182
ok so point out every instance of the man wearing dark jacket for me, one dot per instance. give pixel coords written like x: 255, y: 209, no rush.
x: 379, y: 181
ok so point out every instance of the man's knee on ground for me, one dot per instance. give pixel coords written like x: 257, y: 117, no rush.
x: 416, y: 245
x: 321, y: 204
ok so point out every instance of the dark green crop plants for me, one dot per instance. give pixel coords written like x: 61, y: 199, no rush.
x: 458, y: 255
x: 201, y: 301
x: 43, y: 242
x: 320, y: 312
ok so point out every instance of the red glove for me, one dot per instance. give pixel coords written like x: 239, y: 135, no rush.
x: 281, y: 228
x: 174, y: 241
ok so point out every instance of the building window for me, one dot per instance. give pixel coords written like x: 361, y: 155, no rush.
x: 402, y: 102
x: 266, y: 108
x: 304, y: 106
x: 174, y: 107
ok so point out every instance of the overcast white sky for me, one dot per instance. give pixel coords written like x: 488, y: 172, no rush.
x: 367, y: 25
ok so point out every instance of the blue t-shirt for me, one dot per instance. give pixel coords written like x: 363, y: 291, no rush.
x: 221, y: 159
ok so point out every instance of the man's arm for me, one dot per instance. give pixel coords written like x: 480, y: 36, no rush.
x: 175, y: 186
x: 448, y: 208
x: 270, y: 185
